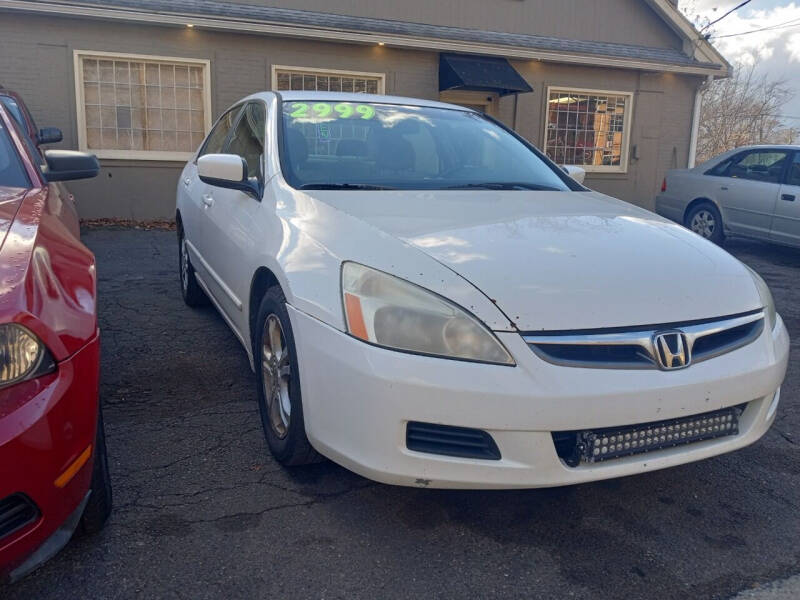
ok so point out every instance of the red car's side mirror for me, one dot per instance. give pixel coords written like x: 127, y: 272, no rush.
x: 68, y: 165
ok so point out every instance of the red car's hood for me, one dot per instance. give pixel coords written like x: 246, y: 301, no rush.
x: 10, y: 199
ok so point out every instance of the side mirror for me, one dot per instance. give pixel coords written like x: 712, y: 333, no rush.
x: 228, y: 171
x: 67, y: 165
x: 576, y: 172
x: 49, y: 135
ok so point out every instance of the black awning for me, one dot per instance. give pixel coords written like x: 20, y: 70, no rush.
x: 483, y: 73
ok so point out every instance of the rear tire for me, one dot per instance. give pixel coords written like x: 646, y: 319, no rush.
x: 705, y: 220
x: 98, y: 508
x: 193, y: 294
x: 278, y: 379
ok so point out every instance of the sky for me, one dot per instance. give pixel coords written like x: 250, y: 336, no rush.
x: 775, y: 52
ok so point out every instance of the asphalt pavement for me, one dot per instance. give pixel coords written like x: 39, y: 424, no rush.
x: 202, y: 511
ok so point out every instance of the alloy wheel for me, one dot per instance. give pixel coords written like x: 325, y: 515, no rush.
x: 276, y: 370
x: 703, y: 223
x: 184, y: 265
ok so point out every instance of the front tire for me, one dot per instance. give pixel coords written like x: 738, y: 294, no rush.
x: 278, y: 379
x: 98, y: 508
x: 706, y: 221
x: 193, y: 294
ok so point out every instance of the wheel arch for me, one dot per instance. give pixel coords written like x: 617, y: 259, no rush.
x: 263, y: 279
x: 696, y: 202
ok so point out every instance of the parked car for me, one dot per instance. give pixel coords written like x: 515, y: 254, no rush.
x: 53, y: 467
x: 752, y: 191
x: 18, y: 110
x: 428, y: 300
x: 576, y: 172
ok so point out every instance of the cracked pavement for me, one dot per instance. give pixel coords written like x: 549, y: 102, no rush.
x: 202, y: 511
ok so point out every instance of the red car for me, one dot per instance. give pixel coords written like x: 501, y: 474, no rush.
x: 53, y: 467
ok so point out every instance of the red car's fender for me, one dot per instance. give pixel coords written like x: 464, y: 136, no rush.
x: 48, y: 281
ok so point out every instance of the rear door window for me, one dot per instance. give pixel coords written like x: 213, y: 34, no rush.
x: 12, y: 170
x: 755, y: 165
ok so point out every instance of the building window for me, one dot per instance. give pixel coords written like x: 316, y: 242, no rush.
x: 322, y: 80
x: 588, y: 128
x: 141, y: 107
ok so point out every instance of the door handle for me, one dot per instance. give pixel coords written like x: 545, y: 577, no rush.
x: 787, y: 197
x: 208, y: 200
x: 724, y: 187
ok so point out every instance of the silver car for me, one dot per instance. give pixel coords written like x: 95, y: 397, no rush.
x: 752, y: 191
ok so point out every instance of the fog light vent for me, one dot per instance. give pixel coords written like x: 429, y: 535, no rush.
x: 451, y: 441
x: 16, y: 511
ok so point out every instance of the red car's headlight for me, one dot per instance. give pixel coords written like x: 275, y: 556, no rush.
x: 22, y: 355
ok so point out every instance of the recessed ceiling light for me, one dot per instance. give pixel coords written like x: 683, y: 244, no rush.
x: 381, y: 43
x: 189, y: 25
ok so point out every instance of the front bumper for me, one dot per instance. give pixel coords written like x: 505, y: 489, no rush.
x: 45, y: 425
x: 358, y: 399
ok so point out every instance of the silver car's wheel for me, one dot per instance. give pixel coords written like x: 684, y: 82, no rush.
x: 280, y: 402
x: 192, y: 294
x: 276, y: 368
x: 704, y: 223
x: 705, y: 220
x: 184, y: 266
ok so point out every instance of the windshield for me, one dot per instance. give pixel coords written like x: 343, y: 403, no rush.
x: 353, y: 145
x: 12, y: 171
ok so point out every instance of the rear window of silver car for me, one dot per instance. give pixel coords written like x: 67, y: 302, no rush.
x: 386, y: 146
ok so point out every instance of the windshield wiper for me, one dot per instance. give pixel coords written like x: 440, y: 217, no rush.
x: 343, y: 186
x: 504, y: 185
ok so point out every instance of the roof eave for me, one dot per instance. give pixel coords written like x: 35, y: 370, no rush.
x: 695, y: 44
x: 339, y: 35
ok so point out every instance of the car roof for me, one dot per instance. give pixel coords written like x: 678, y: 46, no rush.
x: 766, y: 147
x: 299, y: 95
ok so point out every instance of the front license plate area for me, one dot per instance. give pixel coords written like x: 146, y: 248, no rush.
x: 598, y: 445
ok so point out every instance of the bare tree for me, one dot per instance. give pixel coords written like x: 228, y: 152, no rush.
x: 743, y: 109
x: 691, y: 12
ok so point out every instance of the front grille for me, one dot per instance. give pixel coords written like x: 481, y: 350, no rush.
x: 451, y: 441
x: 16, y: 511
x: 635, y: 348
x: 608, y: 443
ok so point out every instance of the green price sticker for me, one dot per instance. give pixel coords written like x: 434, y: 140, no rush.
x: 323, y: 110
x: 299, y: 110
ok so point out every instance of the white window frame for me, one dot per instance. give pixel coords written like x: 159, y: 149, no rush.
x: 381, y: 77
x: 627, y: 125
x: 157, y: 155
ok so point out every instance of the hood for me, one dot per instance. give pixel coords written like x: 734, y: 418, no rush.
x: 563, y: 260
x: 10, y: 199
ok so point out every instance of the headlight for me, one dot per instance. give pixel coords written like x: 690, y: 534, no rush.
x: 391, y: 312
x: 22, y: 355
x: 766, y: 298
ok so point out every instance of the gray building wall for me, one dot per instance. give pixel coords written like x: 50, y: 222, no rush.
x: 37, y: 61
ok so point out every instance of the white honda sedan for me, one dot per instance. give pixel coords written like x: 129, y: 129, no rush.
x: 428, y: 300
